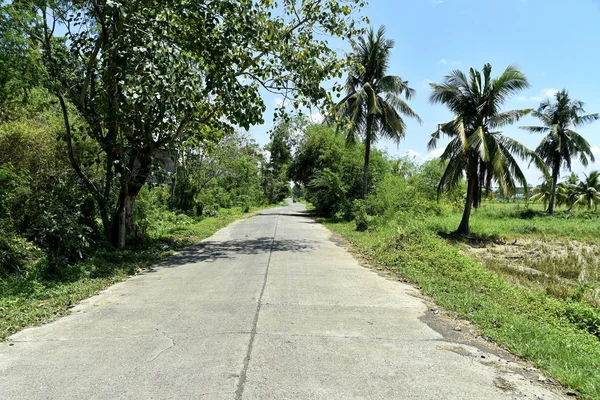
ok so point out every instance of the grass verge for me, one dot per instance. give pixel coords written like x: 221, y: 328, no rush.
x: 558, y: 336
x: 31, y: 299
x: 513, y: 222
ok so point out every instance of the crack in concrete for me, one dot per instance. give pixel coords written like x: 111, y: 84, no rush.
x: 333, y: 336
x: 242, y: 380
x: 170, y: 346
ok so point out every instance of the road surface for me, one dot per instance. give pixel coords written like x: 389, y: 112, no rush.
x: 268, y: 308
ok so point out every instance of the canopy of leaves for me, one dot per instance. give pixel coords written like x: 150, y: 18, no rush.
x: 150, y: 75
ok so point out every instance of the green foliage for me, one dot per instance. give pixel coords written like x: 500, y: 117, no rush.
x: 273, y: 174
x: 561, y: 143
x: 20, y: 65
x: 298, y: 191
x: 63, y: 224
x: 274, y: 186
x: 477, y: 149
x: 542, y: 193
x: 359, y: 215
x: 374, y: 101
x: 220, y: 175
x: 15, y: 253
x: 148, y: 77
x: 327, y: 193
x: 14, y: 190
x: 398, y: 194
x: 321, y: 148
x: 42, y: 206
x: 587, y: 192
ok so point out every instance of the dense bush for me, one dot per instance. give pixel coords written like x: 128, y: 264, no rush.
x: 359, y: 215
x: 395, y: 193
x: 320, y: 150
x: 327, y: 193
x: 42, y: 204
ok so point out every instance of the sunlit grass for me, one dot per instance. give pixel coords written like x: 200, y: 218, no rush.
x: 512, y: 221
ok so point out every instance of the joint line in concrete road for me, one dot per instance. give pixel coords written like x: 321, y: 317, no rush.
x: 240, y: 388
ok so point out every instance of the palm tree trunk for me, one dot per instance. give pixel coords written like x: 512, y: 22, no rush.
x: 553, y: 194
x: 365, y: 187
x: 463, y: 228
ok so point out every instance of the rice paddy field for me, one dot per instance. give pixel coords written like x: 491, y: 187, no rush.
x: 557, y: 254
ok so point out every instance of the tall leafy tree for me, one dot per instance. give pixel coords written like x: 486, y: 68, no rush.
x: 561, y: 143
x: 20, y: 65
x: 147, y: 75
x: 375, y: 101
x: 477, y: 149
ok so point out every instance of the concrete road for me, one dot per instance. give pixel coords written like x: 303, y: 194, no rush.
x: 268, y: 308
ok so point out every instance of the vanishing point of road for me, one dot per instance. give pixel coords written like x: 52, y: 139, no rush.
x: 268, y: 308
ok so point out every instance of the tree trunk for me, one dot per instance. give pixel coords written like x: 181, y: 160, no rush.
x: 365, y: 187
x: 132, y: 181
x: 463, y: 228
x: 553, y: 194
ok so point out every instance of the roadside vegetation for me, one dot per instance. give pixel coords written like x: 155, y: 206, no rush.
x: 123, y: 132
x: 527, y: 280
x: 122, y: 139
x: 523, y: 269
x: 31, y: 297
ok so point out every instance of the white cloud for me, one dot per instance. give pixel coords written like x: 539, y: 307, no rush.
x: 595, y: 150
x: 546, y: 93
x: 278, y: 101
x: 413, y: 154
x: 446, y: 62
x: 435, y: 153
x: 316, y: 118
x: 532, y: 98
x: 425, y: 83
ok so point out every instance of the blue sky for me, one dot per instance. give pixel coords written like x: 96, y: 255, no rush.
x: 554, y: 42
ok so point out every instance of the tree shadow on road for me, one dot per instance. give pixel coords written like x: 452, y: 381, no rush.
x: 305, y: 214
x: 213, y: 250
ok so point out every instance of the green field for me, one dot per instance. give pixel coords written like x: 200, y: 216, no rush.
x: 506, y: 220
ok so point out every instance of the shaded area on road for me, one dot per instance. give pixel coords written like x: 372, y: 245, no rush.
x: 213, y: 250
x: 304, y: 214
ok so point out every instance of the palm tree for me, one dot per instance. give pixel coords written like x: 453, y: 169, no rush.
x: 566, y: 192
x: 374, y: 100
x: 588, y: 193
x: 542, y: 193
x: 561, y: 143
x: 476, y: 148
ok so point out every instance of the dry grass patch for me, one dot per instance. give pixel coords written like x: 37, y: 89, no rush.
x: 566, y: 269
